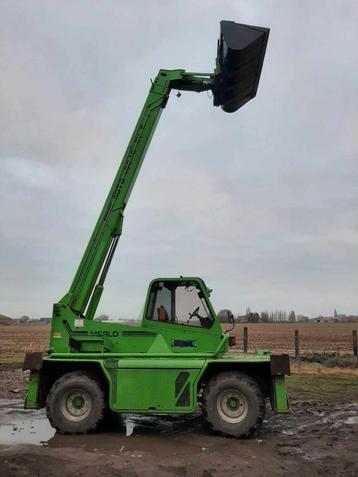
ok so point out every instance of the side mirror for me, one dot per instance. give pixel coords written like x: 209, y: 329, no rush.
x: 240, y: 56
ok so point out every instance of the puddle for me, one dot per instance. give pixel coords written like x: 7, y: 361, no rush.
x: 352, y: 420
x: 136, y: 424
x: 20, y: 426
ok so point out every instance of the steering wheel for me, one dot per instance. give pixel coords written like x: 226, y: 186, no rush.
x: 195, y: 313
x: 205, y: 322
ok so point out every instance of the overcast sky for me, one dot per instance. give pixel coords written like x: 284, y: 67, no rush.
x: 263, y: 203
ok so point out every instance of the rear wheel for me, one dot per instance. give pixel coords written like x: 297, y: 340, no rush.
x: 75, y: 403
x: 233, y: 404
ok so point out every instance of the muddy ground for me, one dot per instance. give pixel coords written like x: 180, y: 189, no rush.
x: 12, y: 381
x: 318, y: 437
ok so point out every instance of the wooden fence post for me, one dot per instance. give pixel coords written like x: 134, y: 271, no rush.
x: 355, y: 344
x: 246, y: 339
x: 297, y: 347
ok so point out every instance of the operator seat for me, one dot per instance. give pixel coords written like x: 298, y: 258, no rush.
x: 162, y: 314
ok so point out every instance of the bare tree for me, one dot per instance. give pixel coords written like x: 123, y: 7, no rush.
x: 264, y: 317
x: 278, y: 315
x: 292, y: 317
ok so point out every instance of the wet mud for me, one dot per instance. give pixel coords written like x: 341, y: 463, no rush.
x: 13, y: 381
x: 316, y: 438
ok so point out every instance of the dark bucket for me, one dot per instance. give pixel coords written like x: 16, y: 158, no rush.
x: 241, y: 52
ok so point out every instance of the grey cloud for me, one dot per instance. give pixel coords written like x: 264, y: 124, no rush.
x: 262, y: 204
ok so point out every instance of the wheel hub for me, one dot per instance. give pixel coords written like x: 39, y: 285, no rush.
x: 233, y: 403
x: 232, y: 406
x: 76, y: 405
x: 78, y: 402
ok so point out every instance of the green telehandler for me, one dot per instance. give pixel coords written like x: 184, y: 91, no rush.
x: 178, y: 359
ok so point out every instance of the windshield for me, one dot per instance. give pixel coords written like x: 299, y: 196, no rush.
x: 179, y: 303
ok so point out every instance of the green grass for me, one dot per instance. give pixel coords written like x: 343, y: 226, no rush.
x: 331, y: 360
x: 12, y: 358
x: 323, y: 386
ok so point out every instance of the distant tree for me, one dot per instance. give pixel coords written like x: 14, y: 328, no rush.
x: 253, y: 317
x: 292, y: 317
x: 264, y: 318
x: 283, y: 315
x: 225, y: 316
x: 302, y: 318
x: 278, y: 315
x: 102, y: 318
x: 248, y: 311
x: 24, y: 319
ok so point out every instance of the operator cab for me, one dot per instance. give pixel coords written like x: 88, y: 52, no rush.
x: 179, y: 302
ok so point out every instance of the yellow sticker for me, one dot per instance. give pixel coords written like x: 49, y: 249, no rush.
x: 57, y: 334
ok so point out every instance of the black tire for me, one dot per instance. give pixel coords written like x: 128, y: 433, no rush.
x: 75, y: 403
x: 233, y: 404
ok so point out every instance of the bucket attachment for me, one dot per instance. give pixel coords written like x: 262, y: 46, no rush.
x: 241, y: 52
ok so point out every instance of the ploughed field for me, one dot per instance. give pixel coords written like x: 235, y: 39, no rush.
x: 313, y: 337
x: 15, y: 340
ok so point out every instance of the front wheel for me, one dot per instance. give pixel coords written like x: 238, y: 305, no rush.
x: 233, y: 404
x: 75, y: 403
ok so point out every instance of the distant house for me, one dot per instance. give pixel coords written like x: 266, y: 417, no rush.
x: 303, y: 319
x: 324, y: 319
x: 24, y: 319
x: 328, y: 319
x: 241, y: 319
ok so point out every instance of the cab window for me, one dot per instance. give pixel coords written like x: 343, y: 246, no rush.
x: 178, y: 303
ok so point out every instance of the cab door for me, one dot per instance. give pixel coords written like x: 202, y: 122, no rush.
x: 179, y: 310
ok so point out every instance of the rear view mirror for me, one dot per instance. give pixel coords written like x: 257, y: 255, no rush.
x: 241, y: 52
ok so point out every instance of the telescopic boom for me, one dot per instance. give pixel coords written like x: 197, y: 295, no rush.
x: 241, y: 50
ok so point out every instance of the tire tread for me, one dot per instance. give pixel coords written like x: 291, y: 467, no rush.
x: 214, y: 383
x: 52, y: 395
